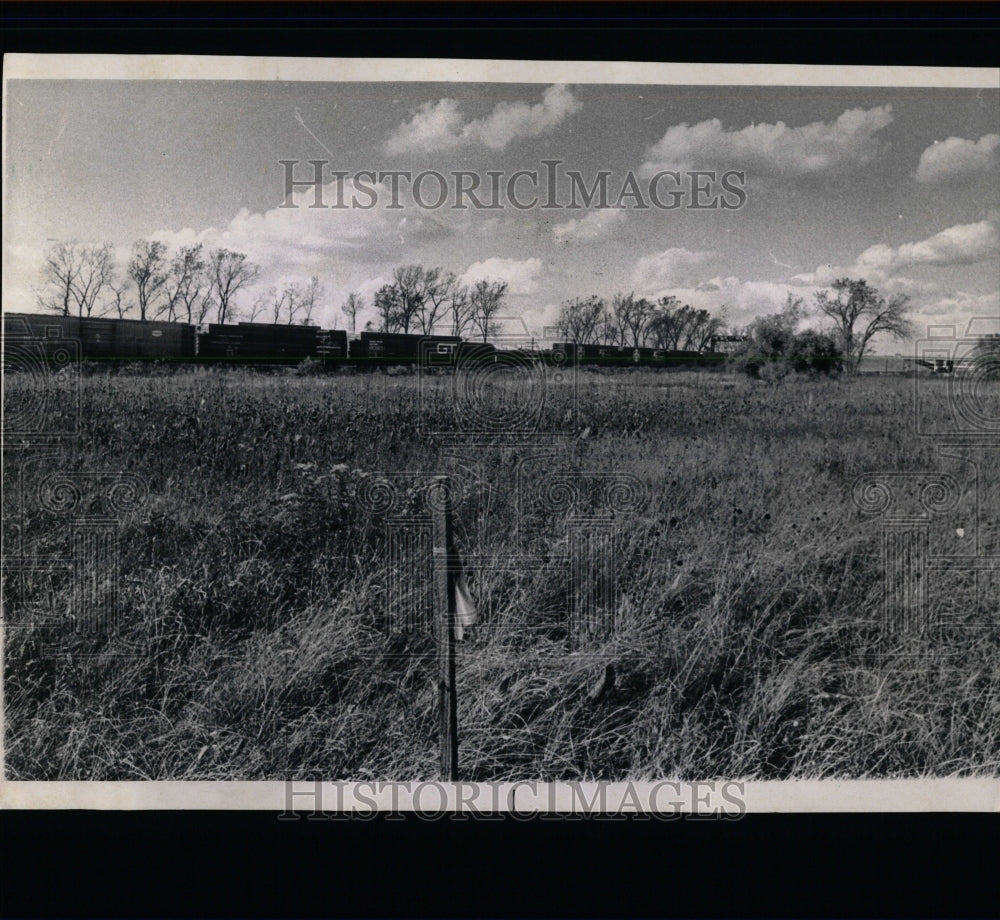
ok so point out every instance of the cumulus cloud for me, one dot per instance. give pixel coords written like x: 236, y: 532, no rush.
x: 677, y: 267
x: 963, y: 244
x: 958, y: 159
x: 343, y: 247
x: 521, y: 276
x: 964, y: 304
x: 306, y: 237
x: 593, y: 226
x: 775, y: 150
x: 971, y: 315
x: 438, y: 126
x: 739, y: 300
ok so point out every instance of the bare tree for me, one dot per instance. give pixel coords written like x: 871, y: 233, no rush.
x: 409, y: 283
x: 97, y: 272
x: 352, y: 306
x: 62, y: 264
x: 632, y: 318
x: 305, y: 298
x: 460, y: 307
x: 434, y: 298
x: 119, y: 294
x: 187, y: 285
x: 486, y: 299
x: 675, y: 326
x: 277, y: 302
x: 856, y: 302
x: 230, y: 273
x: 387, y: 306
x: 74, y: 277
x: 148, y: 270
x: 609, y: 331
x: 580, y: 319
x: 259, y: 307
x: 703, y: 330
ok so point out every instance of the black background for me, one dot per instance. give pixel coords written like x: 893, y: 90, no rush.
x: 249, y: 864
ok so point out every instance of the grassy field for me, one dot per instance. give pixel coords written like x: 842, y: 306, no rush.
x: 253, y: 582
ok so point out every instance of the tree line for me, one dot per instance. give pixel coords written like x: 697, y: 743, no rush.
x: 433, y: 300
x: 635, y: 322
x: 197, y: 285
x: 194, y: 285
x: 771, y: 345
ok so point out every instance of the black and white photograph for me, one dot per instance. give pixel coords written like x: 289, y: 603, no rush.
x: 500, y: 422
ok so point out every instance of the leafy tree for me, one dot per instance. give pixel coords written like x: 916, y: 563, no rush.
x: 816, y: 352
x: 859, y: 313
x: 774, y: 347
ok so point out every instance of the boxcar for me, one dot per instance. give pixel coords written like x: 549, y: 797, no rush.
x: 265, y: 344
x: 107, y: 340
x: 384, y: 349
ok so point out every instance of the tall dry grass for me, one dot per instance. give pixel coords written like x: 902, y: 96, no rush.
x: 253, y: 586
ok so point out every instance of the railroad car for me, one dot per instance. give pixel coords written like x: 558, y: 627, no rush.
x: 108, y: 340
x: 382, y: 349
x: 268, y: 344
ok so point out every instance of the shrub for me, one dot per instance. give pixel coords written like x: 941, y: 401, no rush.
x: 310, y: 367
x: 816, y: 352
x: 772, y: 343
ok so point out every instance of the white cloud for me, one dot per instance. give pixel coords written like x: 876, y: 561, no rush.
x: 963, y: 244
x: 957, y: 159
x: 773, y: 150
x: 435, y: 126
x: 962, y: 303
x: 343, y: 247
x: 521, y: 276
x: 739, y: 300
x: 440, y: 125
x: 971, y: 315
x: 677, y: 267
x: 306, y: 237
x: 593, y: 226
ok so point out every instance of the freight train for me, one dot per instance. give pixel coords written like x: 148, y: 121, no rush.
x: 263, y: 345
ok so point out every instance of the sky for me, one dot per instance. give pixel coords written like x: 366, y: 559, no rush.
x: 898, y: 186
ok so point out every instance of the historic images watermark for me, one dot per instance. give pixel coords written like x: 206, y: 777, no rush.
x: 664, y: 800
x: 548, y: 187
